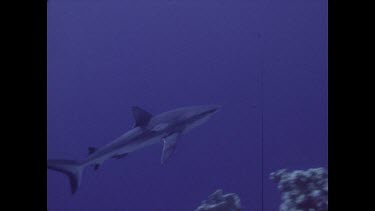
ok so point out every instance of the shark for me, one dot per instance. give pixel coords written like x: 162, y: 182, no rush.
x: 165, y: 128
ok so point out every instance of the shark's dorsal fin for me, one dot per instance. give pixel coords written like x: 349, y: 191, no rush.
x: 169, y: 146
x: 141, y: 117
x: 92, y: 150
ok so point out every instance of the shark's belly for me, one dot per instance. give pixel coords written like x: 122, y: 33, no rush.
x: 139, y: 144
x: 118, y: 148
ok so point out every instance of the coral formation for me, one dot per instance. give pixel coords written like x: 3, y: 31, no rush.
x: 302, y: 190
x: 219, y: 202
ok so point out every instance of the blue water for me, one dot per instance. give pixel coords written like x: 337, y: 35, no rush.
x: 106, y: 56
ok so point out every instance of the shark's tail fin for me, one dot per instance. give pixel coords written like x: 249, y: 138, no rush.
x: 73, y: 169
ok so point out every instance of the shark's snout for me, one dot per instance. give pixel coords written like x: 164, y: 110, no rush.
x: 212, y: 109
x: 215, y: 109
x: 218, y: 107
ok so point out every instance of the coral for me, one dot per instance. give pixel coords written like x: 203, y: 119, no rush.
x: 219, y: 202
x: 302, y: 190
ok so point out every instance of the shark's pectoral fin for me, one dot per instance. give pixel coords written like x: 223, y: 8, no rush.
x: 170, y: 143
x: 120, y: 156
x: 141, y: 117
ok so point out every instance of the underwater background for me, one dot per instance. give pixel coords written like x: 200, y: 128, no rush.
x: 106, y: 56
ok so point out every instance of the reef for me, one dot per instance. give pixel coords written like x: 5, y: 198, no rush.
x: 219, y: 202
x: 302, y: 190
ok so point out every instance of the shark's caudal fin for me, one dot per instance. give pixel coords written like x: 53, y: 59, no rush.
x: 71, y: 168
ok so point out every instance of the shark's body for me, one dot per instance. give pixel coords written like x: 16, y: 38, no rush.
x: 148, y: 130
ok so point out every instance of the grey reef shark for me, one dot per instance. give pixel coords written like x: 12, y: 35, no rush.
x: 164, y: 128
